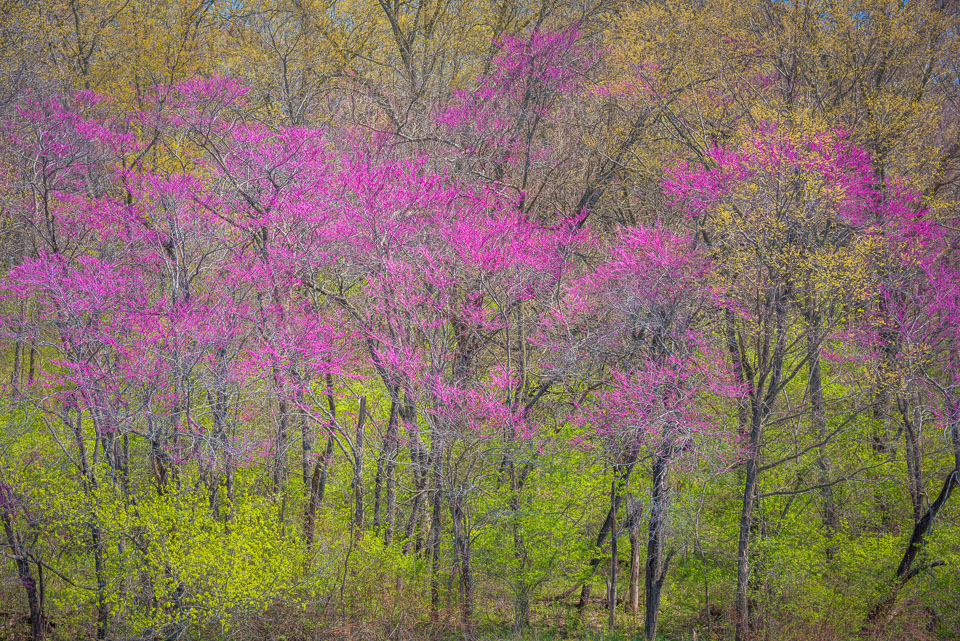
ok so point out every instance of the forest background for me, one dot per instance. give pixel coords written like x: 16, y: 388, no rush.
x: 422, y: 319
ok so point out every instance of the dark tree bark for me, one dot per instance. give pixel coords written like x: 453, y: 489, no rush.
x: 310, y: 518
x: 421, y: 472
x: 358, y: 466
x: 327, y: 460
x: 521, y: 615
x: 924, y: 524
x: 22, y: 559
x: 390, y: 516
x: 607, y: 527
x: 922, y: 527
x: 614, y: 560
x: 913, y: 458
x: 280, y: 448
x: 103, y: 610
x: 384, y: 495
x: 436, y: 524
x: 305, y: 462
x: 318, y: 479
x: 461, y: 544
x: 656, y: 565
x: 762, y: 381
x: 634, y: 530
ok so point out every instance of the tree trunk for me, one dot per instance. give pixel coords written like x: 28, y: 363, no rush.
x: 390, y: 516
x: 22, y: 559
x: 305, y: 462
x: 319, y: 487
x: 310, y: 518
x: 614, y: 561
x: 380, y: 489
x: 89, y: 483
x: 358, y: 467
x: 219, y: 402
x: 157, y: 435
x: 15, y: 371
x: 634, y: 595
x: 605, y: 530
x: 436, y: 524
x: 922, y: 527
x: 318, y: 480
x: 762, y: 385
x: 911, y: 445
x: 229, y: 470
x: 280, y: 449
x: 521, y: 618
x: 103, y: 610
x: 322, y: 471
x: 746, y: 524
x: 461, y: 542
x: 420, y: 472
x: 420, y: 466
x: 656, y: 566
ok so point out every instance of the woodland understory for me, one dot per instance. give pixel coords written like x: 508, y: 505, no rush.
x: 529, y: 319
